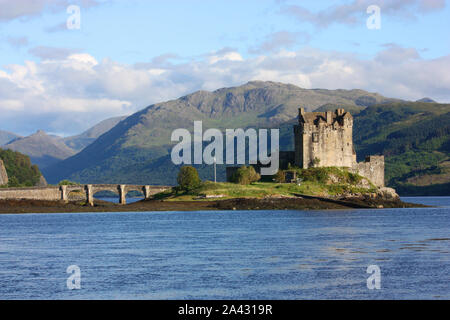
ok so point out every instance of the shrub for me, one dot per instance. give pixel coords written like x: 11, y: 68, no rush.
x: 188, y: 178
x: 245, y: 175
x: 319, y: 175
x: 280, y: 177
x: 354, y: 178
x: 67, y: 183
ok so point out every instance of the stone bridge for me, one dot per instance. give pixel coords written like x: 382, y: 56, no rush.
x: 62, y: 192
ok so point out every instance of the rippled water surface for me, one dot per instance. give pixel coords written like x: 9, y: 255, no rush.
x: 234, y: 255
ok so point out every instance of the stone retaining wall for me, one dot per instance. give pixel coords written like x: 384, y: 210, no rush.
x: 49, y: 193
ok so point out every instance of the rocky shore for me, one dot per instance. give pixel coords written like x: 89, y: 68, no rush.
x: 300, y: 202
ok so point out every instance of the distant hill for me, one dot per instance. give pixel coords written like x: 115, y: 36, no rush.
x: 79, y: 142
x: 21, y: 172
x: 6, y: 137
x: 43, y: 149
x: 426, y: 100
x: 143, y: 139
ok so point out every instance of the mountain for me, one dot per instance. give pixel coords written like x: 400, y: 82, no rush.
x: 134, y: 150
x: 6, y: 137
x: 79, y: 142
x: 415, y: 139
x: 21, y: 173
x: 42, y: 149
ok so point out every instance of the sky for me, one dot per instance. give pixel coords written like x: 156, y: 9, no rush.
x: 65, y: 65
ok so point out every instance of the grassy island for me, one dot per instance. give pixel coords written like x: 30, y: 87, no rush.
x: 329, y: 182
x: 312, y: 189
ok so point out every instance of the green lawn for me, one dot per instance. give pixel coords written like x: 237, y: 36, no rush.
x: 260, y: 190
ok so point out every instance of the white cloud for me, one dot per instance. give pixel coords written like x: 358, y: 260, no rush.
x: 225, y: 56
x: 71, y: 93
x: 352, y: 12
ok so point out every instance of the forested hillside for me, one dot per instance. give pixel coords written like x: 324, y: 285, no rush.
x: 21, y: 172
x: 415, y: 138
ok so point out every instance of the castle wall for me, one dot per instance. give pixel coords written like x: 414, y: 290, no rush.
x: 298, y: 146
x: 331, y: 143
x: 334, y: 146
x: 372, y: 168
x: 3, y: 174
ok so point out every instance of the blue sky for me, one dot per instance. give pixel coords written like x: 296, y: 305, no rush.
x: 129, y: 54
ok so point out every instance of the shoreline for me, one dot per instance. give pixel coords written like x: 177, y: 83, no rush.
x: 272, y: 203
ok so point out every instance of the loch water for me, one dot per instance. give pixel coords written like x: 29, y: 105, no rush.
x: 229, y: 254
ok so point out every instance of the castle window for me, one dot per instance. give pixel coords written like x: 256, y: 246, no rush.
x: 315, y: 137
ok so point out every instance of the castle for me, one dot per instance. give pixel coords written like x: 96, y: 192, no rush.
x: 325, y: 139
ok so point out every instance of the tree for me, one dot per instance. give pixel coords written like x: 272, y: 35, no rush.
x: 245, y: 175
x: 13, y: 182
x: 188, y: 178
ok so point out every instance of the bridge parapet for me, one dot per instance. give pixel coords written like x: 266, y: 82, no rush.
x: 62, y: 192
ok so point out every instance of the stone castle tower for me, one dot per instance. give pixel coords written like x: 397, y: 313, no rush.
x: 325, y: 139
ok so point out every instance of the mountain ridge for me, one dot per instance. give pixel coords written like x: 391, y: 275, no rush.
x: 42, y: 148
x: 145, y: 135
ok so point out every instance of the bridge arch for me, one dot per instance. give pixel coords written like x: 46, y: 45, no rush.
x: 55, y: 193
x: 122, y: 190
x: 66, y: 190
